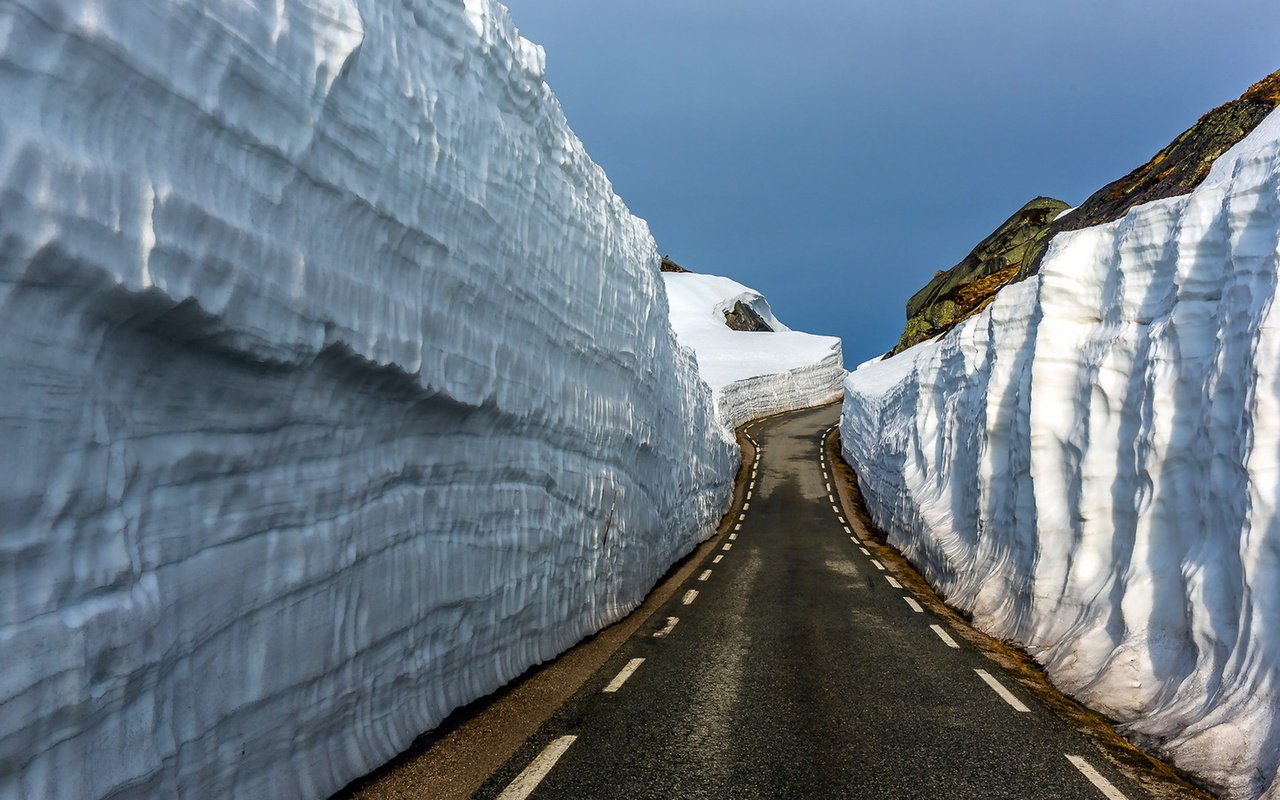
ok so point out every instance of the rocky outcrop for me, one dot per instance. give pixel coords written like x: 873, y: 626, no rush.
x: 668, y: 265
x: 743, y: 317
x: 1014, y: 251
x: 958, y: 293
x: 1178, y: 168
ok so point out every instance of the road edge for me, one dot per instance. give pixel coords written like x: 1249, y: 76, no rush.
x: 1158, y: 778
x: 454, y: 759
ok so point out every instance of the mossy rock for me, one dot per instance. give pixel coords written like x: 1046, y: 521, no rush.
x: 957, y: 293
x: 1014, y: 251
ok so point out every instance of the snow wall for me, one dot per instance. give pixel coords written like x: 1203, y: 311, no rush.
x: 752, y: 373
x: 339, y: 389
x: 1090, y: 466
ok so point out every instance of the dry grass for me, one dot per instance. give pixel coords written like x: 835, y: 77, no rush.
x: 981, y: 291
x: 1266, y: 90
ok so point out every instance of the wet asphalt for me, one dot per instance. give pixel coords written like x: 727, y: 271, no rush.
x: 799, y: 671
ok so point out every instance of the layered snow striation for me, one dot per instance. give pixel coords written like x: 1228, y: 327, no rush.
x: 339, y: 389
x: 1090, y: 466
x: 751, y: 373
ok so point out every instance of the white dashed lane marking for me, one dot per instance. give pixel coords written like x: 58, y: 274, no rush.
x: 689, y: 596
x: 865, y: 551
x: 621, y: 677
x: 1105, y: 786
x: 705, y: 574
x: 733, y: 536
x: 717, y: 559
x: 893, y: 581
x: 878, y: 565
x: 1004, y: 693
x: 738, y: 527
x: 727, y: 546
x: 916, y: 607
x: 527, y: 781
x: 944, y: 636
x: 671, y: 625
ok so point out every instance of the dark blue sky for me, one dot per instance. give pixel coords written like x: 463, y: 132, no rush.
x: 833, y: 154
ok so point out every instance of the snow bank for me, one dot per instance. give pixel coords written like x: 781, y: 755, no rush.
x: 339, y: 389
x: 1092, y: 467
x: 752, y: 374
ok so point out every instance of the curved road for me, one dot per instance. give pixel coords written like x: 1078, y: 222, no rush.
x: 792, y: 663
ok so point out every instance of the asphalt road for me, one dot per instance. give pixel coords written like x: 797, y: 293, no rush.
x: 791, y: 665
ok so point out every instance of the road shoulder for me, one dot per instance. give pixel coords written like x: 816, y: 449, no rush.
x: 1158, y: 779
x: 453, y: 760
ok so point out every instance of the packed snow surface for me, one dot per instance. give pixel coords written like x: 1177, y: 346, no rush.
x: 753, y: 374
x: 339, y: 389
x: 1092, y: 467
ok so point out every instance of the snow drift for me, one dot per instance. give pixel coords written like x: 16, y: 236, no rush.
x: 1090, y: 466
x: 752, y: 373
x: 339, y: 389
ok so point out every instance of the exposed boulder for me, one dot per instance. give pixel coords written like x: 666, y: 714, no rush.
x: 962, y: 291
x: 743, y: 317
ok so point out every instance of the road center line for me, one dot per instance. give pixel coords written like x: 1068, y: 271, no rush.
x: 916, y: 607
x: 527, y: 781
x: 689, y: 596
x: 1105, y: 786
x: 878, y: 565
x: 1004, y: 693
x: 705, y: 574
x: 621, y: 677
x: 944, y: 636
x: 671, y: 625
x: 893, y: 581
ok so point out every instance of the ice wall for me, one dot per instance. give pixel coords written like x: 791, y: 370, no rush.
x: 1091, y: 467
x: 752, y: 374
x: 338, y: 389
